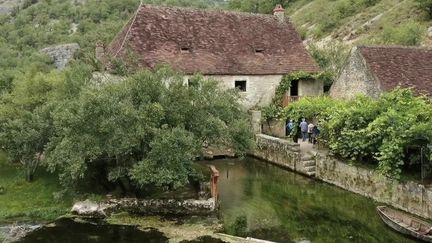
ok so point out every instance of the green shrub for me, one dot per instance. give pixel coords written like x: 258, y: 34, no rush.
x: 239, y: 227
x: 370, y: 131
x: 408, y: 34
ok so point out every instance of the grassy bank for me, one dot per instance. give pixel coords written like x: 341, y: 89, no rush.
x: 30, y: 202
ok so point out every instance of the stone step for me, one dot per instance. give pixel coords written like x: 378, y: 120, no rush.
x: 309, y: 168
x: 309, y: 155
x: 309, y: 163
x: 312, y: 173
x: 306, y: 157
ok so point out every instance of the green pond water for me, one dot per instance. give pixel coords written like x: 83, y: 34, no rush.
x: 266, y: 202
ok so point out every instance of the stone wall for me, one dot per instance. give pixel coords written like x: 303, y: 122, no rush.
x: 278, y: 151
x: 310, y: 87
x: 355, y: 78
x: 411, y: 197
x: 260, y: 89
x: 256, y: 117
x: 274, y: 128
x: 145, y: 207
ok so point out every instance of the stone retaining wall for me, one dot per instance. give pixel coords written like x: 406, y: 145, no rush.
x: 411, y: 197
x: 277, y: 151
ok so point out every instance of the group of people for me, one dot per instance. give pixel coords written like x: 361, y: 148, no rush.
x: 309, y: 132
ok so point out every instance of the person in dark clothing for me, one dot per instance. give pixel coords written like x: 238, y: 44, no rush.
x: 289, y: 128
x: 304, y: 129
x: 316, y: 132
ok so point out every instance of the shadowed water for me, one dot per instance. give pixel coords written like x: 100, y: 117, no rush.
x: 264, y: 201
x: 69, y: 231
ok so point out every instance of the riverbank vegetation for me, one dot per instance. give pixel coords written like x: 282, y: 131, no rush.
x: 388, y: 132
x: 25, y: 201
x: 132, y: 137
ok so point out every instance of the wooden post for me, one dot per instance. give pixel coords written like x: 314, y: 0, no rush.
x: 213, y: 182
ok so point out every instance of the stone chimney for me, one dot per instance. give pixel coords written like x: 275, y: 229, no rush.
x: 100, y: 51
x: 279, y: 12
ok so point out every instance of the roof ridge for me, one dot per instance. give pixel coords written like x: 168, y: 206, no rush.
x: 217, y: 10
x: 133, y: 18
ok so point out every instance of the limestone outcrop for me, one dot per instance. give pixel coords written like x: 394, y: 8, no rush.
x: 61, y: 54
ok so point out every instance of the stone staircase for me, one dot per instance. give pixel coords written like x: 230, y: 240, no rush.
x: 308, y: 163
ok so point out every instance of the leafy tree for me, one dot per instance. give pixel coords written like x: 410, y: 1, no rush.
x: 24, y: 122
x: 144, y: 131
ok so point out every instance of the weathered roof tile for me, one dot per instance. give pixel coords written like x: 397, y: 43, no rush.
x: 400, y: 66
x: 212, y: 42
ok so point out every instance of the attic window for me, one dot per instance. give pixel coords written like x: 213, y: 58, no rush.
x: 241, y: 85
x: 259, y: 50
x: 185, y: 49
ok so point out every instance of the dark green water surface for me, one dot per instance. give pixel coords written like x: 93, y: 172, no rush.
x: 69, y: 231
x: 266, y: 202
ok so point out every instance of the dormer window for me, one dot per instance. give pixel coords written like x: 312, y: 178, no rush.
x: 184, y: 49
x: 259, y: 50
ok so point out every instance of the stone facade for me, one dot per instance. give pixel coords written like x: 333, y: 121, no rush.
x: 260, y: 89
x: 355, y: 78
x: 310, y: 87
x: 411, y: 197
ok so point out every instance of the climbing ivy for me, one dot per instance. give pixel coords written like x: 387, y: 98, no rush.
x: 285, y: 84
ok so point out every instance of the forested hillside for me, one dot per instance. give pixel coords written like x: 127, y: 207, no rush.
x: 354, y: 21
x: 323, y: 24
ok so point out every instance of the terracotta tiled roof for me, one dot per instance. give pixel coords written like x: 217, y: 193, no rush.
x: 400, y: 66
x: 212, y: 42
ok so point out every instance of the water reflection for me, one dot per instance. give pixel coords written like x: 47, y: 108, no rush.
x: 285, y: 207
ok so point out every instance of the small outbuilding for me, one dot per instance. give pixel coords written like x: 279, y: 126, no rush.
x: 372, y: 70
x: 251, y: 52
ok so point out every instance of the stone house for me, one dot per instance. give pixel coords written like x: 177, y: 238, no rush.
x: 372, y: 70
x: 251, y: 52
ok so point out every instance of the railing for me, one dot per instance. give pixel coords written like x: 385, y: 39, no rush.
x: 289, y: 99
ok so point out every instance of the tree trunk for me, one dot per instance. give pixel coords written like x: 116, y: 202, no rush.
x: 29, y: 173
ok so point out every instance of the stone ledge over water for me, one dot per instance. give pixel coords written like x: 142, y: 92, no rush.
x: 145, y: 207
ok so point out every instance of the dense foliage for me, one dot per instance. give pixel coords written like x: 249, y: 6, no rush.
x: 142, y: 132
x: 426, y: 5
x: 372, y: 131
x: 331, y: 59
